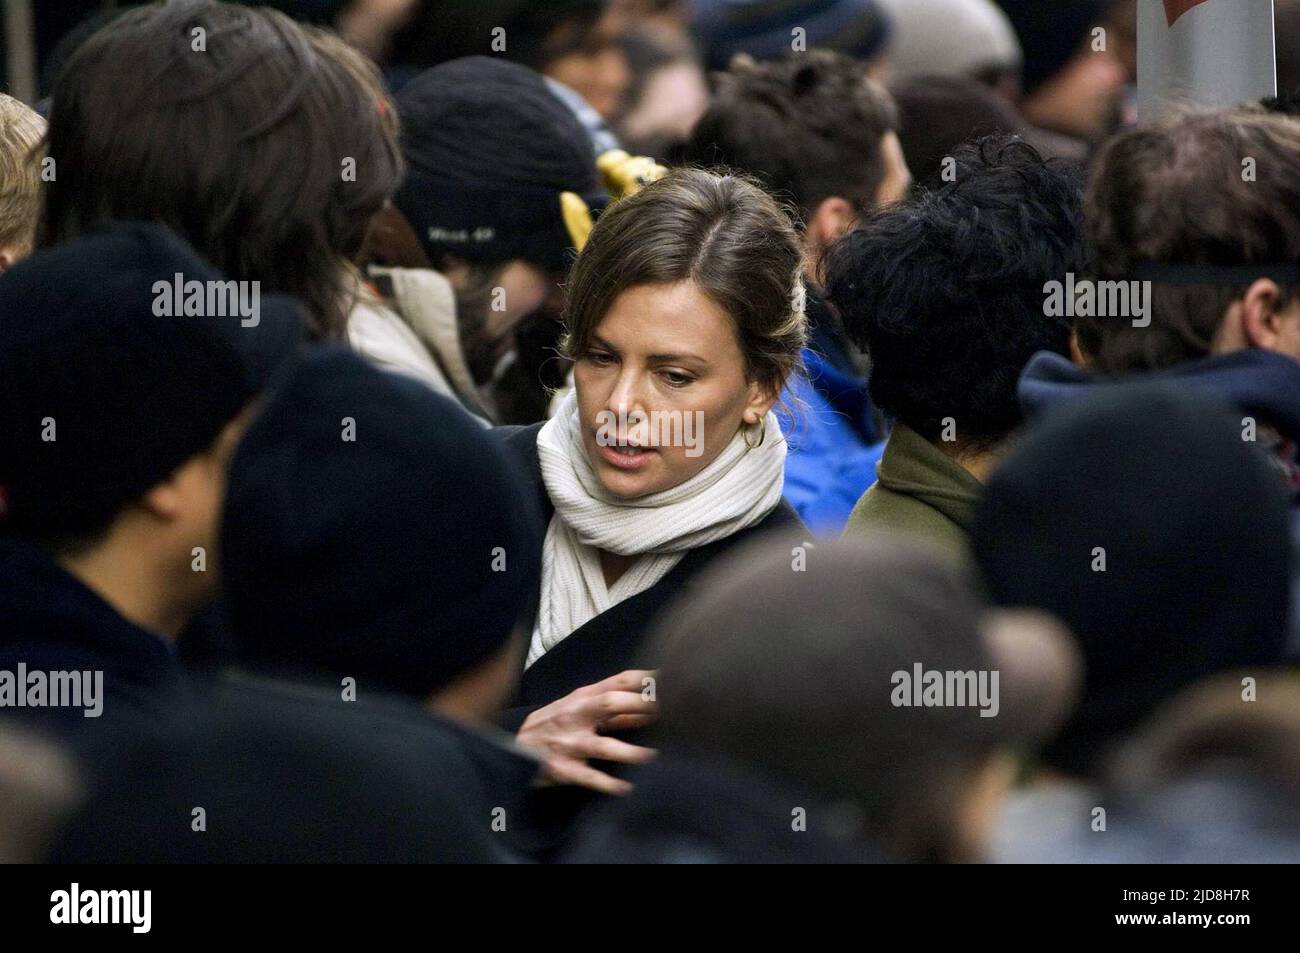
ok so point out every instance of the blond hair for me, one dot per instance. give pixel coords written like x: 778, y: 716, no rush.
x: 21, y: 131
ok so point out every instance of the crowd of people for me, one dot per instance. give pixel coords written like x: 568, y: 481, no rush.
x: 645, y: 431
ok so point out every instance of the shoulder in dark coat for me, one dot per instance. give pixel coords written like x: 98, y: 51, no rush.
x: 290, y: 774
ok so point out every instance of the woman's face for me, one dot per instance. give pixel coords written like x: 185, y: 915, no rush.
x: 661, y: 389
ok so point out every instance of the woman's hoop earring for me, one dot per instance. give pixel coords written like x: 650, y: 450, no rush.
x: 762, y: 435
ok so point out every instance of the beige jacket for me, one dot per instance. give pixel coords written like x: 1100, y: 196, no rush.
x: 412, y: 331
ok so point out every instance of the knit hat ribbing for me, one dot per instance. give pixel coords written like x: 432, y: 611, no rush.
x: 489, y: 149
x: 373, y: 529
x: 102, y: 397
x: 1143, y: 520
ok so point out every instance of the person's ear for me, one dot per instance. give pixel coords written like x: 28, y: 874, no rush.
x: 761, y: 399
x: 831, y: 219
x: 8, y: 258
x: 981, y: 806
x: 200, y: 480
x: 1077, y: 354
x: 165, y: 500
x: 1261, y: 315
x: 897, y: 178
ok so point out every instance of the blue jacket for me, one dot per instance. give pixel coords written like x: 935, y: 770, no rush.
x: 1259, y: 383
x: 834, y: 442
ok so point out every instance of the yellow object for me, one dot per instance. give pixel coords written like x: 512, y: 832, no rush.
x: 623, y: 175
x: 577, y: 218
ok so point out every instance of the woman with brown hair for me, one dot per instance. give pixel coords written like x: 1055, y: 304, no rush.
x: 267, y: 145
x: 684, y: 319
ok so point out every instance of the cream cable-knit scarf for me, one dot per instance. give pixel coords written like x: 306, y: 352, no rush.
x: 735, y: 491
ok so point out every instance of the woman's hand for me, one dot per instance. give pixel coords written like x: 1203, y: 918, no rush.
x: 569, y: 731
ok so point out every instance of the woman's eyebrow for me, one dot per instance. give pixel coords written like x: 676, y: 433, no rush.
x: 665, y: 358
x: 676, y: 358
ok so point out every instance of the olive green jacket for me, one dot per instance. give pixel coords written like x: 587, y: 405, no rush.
x: 920, y: 492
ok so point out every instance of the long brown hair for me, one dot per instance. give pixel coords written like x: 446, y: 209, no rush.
x: 237, y: 128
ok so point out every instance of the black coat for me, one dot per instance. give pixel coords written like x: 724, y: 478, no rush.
x: 614, y: 641
x: 51, y: 622
x: 289, y: 773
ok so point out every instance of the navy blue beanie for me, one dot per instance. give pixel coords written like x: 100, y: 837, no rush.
x: 101, y: 396
x: 764, y: 28
x: 373, y: 530
x: 1142, y: 519
x: 489, y: 149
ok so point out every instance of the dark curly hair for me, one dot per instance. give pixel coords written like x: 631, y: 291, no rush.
x: 945, y: 294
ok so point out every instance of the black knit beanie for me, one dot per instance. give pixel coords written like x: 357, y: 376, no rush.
x: 489, y: 150
x: 102, y: 397
x: 373, y: 530
x: 1142, y: 519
